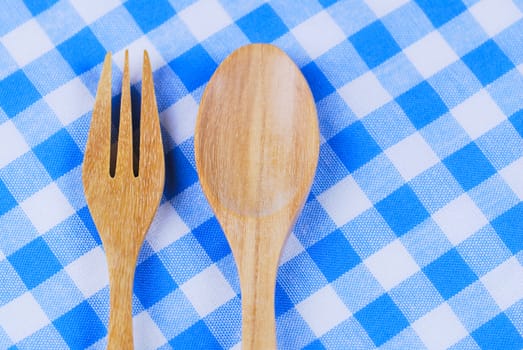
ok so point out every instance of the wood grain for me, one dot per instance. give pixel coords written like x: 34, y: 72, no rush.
x: 123, y: 206
x: 256, y: 148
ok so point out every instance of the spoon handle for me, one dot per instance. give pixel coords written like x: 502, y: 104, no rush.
x: 258, y: 280
x: 258, y: 243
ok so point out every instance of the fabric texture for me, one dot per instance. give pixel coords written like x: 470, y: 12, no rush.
x: 411, y: 238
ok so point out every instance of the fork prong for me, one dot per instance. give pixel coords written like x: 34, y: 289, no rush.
x: 124, y: 157
x: 98, y: 148
x: 151, y: 147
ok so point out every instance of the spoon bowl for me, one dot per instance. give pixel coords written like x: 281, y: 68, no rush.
x: 256, y: 149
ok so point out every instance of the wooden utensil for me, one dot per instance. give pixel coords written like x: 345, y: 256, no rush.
x: 123, y: 204
x: 256, y: 147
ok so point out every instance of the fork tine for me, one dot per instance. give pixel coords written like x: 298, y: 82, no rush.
x: 151, y: 147
x: 124, y: 157
x: 98, y: 147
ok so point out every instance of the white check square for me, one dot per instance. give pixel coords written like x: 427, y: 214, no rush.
x: 44, y: 216
x: 364, y: 94
x: 179, y: 119
x: 391, y: 265
x: 17, y: 146
x: 478, y: 114
x: 166, y: 228
x: 208, y: 290
x: 440, y: 328
x: 512, y: 176
x: 22, y: 317
x: 344, y: 201
x: 505, y: 283
x: 382, y: 8
x: 495, y: 15
x: 70, y: 101
x: 323, y: 310
x: 205, y: 18
x: 147, y: 335
x: 89, y: 272
x: 27, y: 42
x: 412, y: 156
x: 318, y: 34
x: 90, y: 11
x: 430, y: 54
x: 460, y: 219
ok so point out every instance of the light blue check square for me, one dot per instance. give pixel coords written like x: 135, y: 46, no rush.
x: 513, y: 80
x: 357, y: 288
x: 108, y: 29
x: 48, y: 336
x: 16, y: 236
x: 375, y: 186
x: 297, y: 285
x: 192, y: 215
x: 368, y: 233
x: 337, y: 337
x: 333, y: 115
x: 361, y: 15
x: 407, y: 24
x: 381, y: 132
x: 397, y: 75
x: 445, y: 136
x: 60, y: 30
x: 58, y: 286
x: 172, y: 324
x: 474, y: 306
x: 160, y: 38
x: 330, y: 170
x: 426, y: 242
x: 416, y: 296
x: 14, y: 14
x: 463, y: 33
x: 313, y: 224
x: 226, y: 321
x: 176, y: 255
x: 15, y: 287
x: 483, y: 251
x: 221, y: 44
x: 49, y: 72
x: 37, y: 130
x: 493, y: 206
x: 293, y: 13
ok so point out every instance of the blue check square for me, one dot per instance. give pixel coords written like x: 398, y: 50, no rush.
x: 334, y: 255
x: 509, y: 227
x: 35, y: 263
x: 450, y: 274
x: 498, y: 333
x: 354, y: 146
x: 212, y: 239
x: 197, y: 337
x: 180, y: 174
x: 374, y: 44
x: 149, y: 15
x: 17, y: 93
x: 80, y: 327
x: 318, y: 83
x: 402, y: 210
x: 441, y: 11
x: 7, y: 201
x: 469, y: 166
x: 517, y: 121
x: 263, y: 17
x: 38, y: 6
x: 194, y: 67
x: 152, y: 281
x: 86, y: 43
x: 422, y: 104
x: 59, y: 154
x: 382, y: 319
x: 488, y: 62
x: 282, y: 301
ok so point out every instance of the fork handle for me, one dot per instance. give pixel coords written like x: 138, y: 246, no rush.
x: 121, y: 277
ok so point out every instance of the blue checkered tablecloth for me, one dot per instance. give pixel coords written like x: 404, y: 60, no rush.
x: 412, y: 236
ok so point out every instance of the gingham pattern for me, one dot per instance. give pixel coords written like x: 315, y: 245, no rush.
x: 411, y: 238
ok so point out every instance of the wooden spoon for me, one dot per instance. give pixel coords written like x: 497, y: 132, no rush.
x: 256, y: 147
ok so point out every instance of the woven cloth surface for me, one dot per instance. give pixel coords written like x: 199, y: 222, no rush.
x: 411, y: 238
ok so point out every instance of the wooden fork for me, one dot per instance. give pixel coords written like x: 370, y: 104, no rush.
x: 123, y: 204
